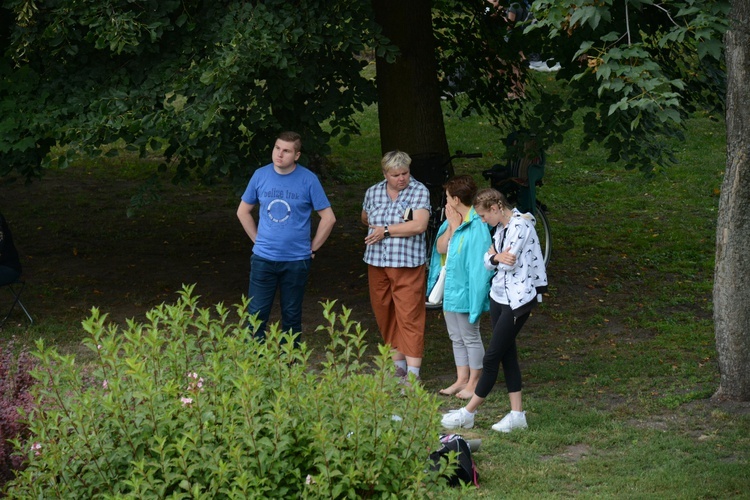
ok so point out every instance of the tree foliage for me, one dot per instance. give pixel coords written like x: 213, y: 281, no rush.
x: 637, y: 69
x: 208, y: 83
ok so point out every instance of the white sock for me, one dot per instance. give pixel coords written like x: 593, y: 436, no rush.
x: 516, y: 413
x: 467, y: 412
x: 414, y: 370
x: 400, y: 363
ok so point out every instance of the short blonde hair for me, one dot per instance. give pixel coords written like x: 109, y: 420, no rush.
x: 395, y: 159
x: 487, y: 197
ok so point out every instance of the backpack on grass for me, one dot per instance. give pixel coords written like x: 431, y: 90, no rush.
x: 465, y: 470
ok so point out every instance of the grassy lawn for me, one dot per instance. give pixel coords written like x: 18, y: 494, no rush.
x: 619, y: 362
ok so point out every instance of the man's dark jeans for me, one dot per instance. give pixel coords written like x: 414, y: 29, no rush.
x: 290, y: 278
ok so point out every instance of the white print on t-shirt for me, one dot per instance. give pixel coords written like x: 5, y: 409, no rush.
x: 279, y: 211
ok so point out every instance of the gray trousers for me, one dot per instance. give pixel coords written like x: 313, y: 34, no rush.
x: 468, y: 348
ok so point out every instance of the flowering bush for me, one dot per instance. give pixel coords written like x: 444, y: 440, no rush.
x: 15, y: 400
x: 189, y: 404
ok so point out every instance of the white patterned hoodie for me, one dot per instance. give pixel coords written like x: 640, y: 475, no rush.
x: 521, y: 284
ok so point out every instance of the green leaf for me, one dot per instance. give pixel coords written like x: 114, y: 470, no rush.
x: 207, y: 78
x: 620, y: 105
x: 669, y: 114
x: 687, y: 11
x: 712, y: 48
x: 594, y: 20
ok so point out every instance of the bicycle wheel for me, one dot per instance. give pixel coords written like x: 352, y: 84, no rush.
x: 543, y: 231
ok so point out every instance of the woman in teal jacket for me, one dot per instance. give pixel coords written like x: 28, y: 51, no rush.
x: 461, y: 243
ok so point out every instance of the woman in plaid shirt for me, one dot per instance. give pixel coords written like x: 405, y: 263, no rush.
x: 396, y: 211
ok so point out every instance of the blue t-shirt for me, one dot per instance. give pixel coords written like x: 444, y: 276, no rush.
x: 285, y: 205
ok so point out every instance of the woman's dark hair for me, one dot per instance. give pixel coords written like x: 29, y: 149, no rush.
x: 462, y: 186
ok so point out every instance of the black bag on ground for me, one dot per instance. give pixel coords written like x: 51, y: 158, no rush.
x: 465, y: 470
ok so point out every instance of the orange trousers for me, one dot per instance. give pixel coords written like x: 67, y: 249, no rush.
x: 397, y: 295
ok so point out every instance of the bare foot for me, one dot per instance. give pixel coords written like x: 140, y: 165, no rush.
x: 465, y: 394
x: 455, y: 388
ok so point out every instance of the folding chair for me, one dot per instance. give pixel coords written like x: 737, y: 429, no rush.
x: 16, y: 288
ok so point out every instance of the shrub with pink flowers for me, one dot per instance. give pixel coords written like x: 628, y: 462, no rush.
x: 15, y: 401
x: 188, y: 404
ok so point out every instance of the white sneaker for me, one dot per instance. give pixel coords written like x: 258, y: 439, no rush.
x: 544, y: 66
x: 511, y: 422
x: 537, y: 65
x: 458, y: 419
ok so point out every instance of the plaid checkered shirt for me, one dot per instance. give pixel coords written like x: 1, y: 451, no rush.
x: 381, y: 210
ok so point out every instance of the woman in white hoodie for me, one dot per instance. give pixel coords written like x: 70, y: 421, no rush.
x: 520, y: 280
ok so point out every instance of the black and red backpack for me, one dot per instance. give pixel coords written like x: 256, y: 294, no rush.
x: 464, y: 470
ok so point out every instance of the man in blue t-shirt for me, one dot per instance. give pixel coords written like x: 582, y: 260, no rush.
x: 286, y: 194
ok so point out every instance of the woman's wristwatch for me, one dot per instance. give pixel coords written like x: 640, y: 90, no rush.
x: 386, y: 233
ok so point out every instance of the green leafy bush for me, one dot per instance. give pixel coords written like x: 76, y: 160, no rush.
x: 189, y: 405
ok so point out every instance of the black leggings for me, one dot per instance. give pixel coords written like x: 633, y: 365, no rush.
x: 502, y: 349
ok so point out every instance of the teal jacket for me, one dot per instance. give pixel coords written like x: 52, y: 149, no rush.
x: 467, y: 281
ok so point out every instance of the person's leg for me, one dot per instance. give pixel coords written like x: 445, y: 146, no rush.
x: 460, y: 356
x: 505, y: 328
x: 474, y: 403
x: 409, y: 289
x: 464, y: 417
x: 262, y: 290
x: 468, y: 391
x: 381, y: 299
x: 515, y: 401
x: 503, y: 338
x: 293, y: 277
x: 474, y: 345
x: 516, y: 418
x: 509, y: 360
x: 453, y: 324
x: 472, y: 340
x: 462, y: 378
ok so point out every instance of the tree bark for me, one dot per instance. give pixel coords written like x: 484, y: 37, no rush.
x: 409, y: 110
x: 732, y: 273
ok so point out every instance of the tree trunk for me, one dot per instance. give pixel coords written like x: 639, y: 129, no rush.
x: 409, y: 110
x: 732, y: 273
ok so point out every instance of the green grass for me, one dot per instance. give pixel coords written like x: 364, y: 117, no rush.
x: 618, y: 384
